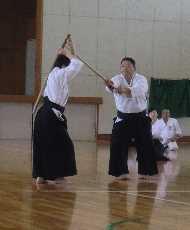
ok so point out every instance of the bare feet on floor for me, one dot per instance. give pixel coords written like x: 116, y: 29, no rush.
x: 123, y: 177
x: 60, y: 180
x: 40, y: 180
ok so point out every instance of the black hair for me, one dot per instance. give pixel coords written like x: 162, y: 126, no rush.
x: 129, y: 59
x: 61, y: 61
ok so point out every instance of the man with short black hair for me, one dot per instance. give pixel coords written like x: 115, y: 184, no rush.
x: 159, y: 148
x: 170, y: 130
x: 130, y: 93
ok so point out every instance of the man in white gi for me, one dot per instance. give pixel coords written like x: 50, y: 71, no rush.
x: 159, y: 148
x: 155, y: 122
x: 169, y: 130
x: 130, y: 93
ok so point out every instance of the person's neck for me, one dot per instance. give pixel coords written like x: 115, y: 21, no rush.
x: 166, y: 120
x: 129, y: 76
x: 154, y: 120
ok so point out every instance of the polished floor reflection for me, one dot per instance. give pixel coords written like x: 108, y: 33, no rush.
x: 92, y: 200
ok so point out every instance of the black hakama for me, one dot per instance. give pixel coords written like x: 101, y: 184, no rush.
x: 159, y: 150
x: 53, y: 149
x: 137, y: 126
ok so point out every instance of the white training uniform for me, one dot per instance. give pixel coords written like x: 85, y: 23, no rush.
x: 139, y: 89
x: 167, y: 131
x: 57, y: 88
x: 156, y: 131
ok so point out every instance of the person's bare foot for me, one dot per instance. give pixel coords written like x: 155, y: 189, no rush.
x: 123, y: 177
x: 154, y: 177
x: 148, y: 177
x: 143, y: 177
x: 40, y: 180
x: 60, y: 180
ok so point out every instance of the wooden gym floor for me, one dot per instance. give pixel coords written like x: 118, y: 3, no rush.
x: 92, y: 200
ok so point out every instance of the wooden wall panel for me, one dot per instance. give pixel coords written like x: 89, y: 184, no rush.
x: 18, y: 24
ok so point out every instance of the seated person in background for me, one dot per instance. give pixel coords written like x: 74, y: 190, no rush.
x: 155, y: 124
x: 159, y: 148
x: 169, y: 130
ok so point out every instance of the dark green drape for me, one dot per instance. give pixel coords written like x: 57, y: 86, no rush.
x: 170, y: 94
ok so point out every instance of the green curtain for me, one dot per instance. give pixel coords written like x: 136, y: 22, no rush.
x: 170, y: 94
